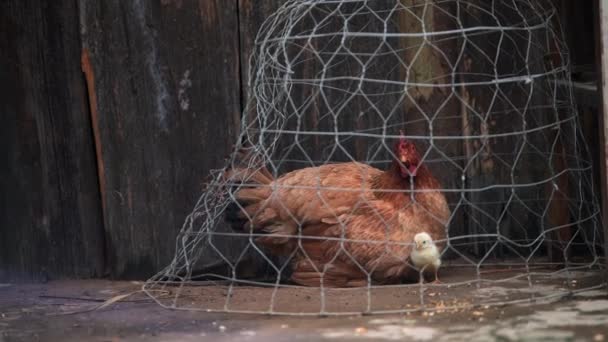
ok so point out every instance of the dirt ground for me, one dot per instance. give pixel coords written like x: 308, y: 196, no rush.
x: 70, y: 311
x: 460, y: 288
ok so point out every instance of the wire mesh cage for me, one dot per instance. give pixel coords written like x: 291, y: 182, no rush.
x: 386, y: 140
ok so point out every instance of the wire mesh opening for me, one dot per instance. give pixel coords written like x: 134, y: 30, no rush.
x: 370, y: 122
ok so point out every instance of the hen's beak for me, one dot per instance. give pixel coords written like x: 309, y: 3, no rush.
x: 409, y: 166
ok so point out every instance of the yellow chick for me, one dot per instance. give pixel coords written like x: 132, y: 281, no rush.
x: 425, y: 255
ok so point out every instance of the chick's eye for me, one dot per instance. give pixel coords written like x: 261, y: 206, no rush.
x: 424, y: 242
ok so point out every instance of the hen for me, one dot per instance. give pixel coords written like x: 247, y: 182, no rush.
x: 345, y: 224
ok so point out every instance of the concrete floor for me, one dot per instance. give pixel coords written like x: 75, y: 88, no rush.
x: 64, y: 311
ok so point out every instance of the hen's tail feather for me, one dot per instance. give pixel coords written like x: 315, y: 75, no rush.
x: 248, y: 198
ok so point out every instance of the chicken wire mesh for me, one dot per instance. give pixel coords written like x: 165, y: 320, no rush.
x: 370, y: 121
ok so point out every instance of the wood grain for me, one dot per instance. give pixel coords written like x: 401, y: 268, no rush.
x: 167, y: 89
x: 50, y: 213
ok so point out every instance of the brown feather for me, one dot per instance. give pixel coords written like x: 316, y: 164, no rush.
x: 340, y: 221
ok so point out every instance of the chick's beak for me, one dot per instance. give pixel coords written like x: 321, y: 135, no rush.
x: 418, y: 245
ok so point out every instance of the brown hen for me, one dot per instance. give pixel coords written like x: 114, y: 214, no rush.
x: 343, y: 224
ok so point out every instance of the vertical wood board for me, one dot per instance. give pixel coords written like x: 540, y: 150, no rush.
x: 50, y: 213
x: 167, y: 85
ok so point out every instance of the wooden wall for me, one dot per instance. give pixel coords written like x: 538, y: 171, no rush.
x: 113, y: 114
x: 167, y: 89
x: 50, y: 212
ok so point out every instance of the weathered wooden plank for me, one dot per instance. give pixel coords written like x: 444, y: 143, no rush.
x: 602, y: 53
x: 167, y: 86
x: 252, y: 15
x: 577, y: 22
x: 50, y: 213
